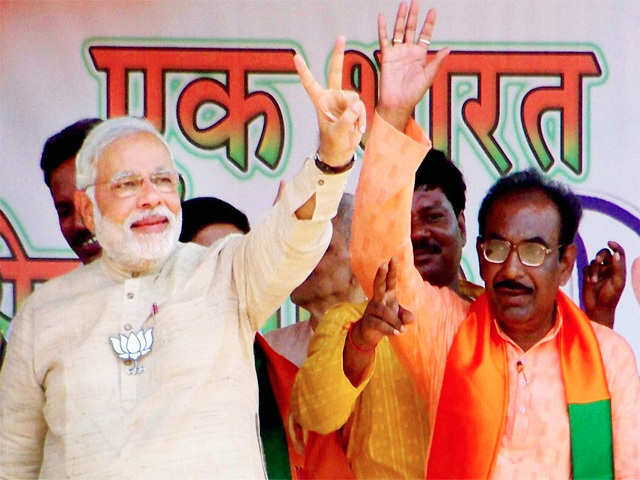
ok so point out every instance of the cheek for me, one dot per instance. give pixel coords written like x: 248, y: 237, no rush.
x: 172, y: 202
x: 487, y: 272
x: 66, y: 226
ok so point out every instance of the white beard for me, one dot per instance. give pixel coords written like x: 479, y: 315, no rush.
x: 137, y: 252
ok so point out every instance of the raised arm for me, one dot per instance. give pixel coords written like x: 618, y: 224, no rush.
x: 284, y: 248
x: 382, y: 218
x: 382, y: 221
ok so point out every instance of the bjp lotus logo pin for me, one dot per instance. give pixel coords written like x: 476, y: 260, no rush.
x: 133, y: 347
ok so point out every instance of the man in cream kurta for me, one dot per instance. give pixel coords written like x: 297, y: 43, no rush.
x: 70, y: 407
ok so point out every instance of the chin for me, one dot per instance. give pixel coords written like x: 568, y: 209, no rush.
x: 137, y: 251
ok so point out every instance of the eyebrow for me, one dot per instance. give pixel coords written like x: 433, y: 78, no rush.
x: 539, y: 240
x: 130, y: 173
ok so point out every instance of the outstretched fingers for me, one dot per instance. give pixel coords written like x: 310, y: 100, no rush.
x: 313, y: 88
x: 382, y: 32
x: 380, y: 283
x: 335, y: 64
x: 398, y: 29
x: 427, y: 27
x: 432, y: 67
x: 412, y: 21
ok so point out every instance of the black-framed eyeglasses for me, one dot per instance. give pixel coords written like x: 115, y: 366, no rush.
x: 531, y: 254
x: 130, y: 185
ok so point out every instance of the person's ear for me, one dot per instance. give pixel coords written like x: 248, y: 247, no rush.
x: 462, y: 226
x: 567, y: 261
x: 84, y: 205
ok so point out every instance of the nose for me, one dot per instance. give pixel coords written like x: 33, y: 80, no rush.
x: 78, y: 222
x: 512, y: 267
x: 148, y: 197
x: 420, y: 231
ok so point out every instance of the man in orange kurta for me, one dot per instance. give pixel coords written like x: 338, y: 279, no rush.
x: 532, y: 438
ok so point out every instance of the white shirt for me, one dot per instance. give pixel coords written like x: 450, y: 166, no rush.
x: 68, y: 407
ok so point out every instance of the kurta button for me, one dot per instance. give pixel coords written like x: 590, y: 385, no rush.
x: 321, y: 182
x: 127, y: 327
x: 127, y: 363
x: 130, y: 295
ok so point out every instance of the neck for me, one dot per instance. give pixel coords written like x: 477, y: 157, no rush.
x: 527, y: 334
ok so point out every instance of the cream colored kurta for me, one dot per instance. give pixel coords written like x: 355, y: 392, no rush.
x: 68, y: 407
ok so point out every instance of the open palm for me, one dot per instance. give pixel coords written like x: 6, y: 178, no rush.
x: 406, y: 75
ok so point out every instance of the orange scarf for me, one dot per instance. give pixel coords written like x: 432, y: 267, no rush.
x: 473, y: 403
x: 323, y: 456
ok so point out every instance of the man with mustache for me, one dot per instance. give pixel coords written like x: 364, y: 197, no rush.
x: 59, y: 168
x: 141, y: 363
x: 520, y: 383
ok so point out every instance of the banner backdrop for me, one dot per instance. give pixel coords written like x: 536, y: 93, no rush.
x: 533, y: 83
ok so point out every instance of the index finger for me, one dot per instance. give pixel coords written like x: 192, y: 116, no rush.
x: 309, y: 83
x: 335, y: 64
x: 618, y: 264
x: 616, y: 248
x: 380, y: 283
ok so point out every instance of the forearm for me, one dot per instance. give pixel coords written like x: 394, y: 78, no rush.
x: 357, y: 359
x: 323, y: 398
x: 381, y: 225
x: 280, y: 252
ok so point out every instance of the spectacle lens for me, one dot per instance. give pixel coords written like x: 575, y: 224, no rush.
x: 531, y: 254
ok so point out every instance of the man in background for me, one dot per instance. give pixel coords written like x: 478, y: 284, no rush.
x: 59, y: 168
x: 207, y: 219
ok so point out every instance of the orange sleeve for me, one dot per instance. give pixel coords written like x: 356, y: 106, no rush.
x: 381, y: 228
x: 381, y: 224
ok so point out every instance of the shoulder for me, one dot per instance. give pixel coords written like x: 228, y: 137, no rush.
x: 617, y: 355
x: 81, y: 279
x: 296, y: 330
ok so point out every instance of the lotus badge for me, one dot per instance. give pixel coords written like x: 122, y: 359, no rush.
x: 133, y: 347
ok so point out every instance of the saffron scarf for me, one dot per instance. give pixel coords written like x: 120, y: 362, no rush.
x: 473, y: 403
x: 323, y: 456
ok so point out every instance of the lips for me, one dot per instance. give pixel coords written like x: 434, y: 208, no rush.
x: 150, y: 224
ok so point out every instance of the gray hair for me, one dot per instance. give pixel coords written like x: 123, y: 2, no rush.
x: 101, y: 137
x: 342, y: 220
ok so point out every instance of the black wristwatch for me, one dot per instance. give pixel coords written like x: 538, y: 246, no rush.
x: 323, y: 167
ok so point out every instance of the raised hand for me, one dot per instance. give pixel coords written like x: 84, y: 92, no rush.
x: 383, y: 316
x: 405, y: 74
x: 602, y: 283
x: 341, y: 114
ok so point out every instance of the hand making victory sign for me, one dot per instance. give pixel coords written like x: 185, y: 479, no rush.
x: 341, y: 114
x: 405, y: 74
x: 382, y: 317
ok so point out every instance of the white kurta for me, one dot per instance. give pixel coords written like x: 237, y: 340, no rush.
x: 68, y: 407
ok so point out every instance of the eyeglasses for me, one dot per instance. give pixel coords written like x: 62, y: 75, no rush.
x: 531, y: 254
x: 130, y: 185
